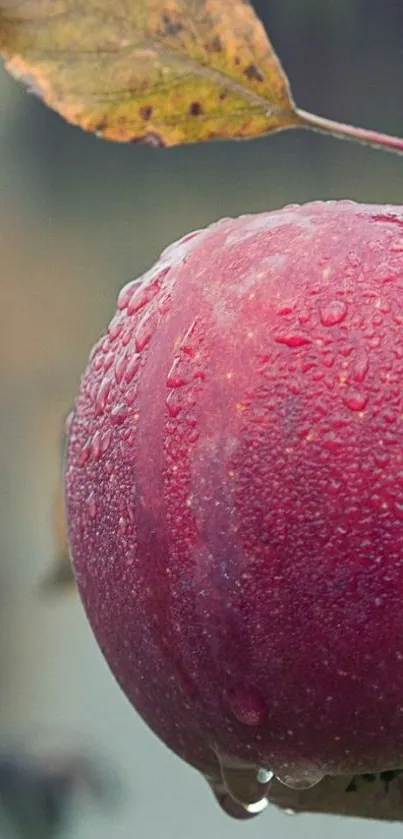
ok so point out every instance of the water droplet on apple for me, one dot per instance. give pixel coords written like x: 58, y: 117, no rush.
x: 96, y: 445
x: 115, y: 328
x: 85, y: 453
x: 248, y: 706
x: 132, y: 366
x: 356, y: 400
x: 174, y: 405
x: 68, y: 423
x: 301, y: 778
x: 122, y: 526
x: 102, y: 395
x: 119, y: 414
x: 360, y: 366
x: 126, y: 293
x: 145, y: 329
x: 175, y: 377
x: 333, y: 312
x: 292, y: 340
x: 130, y: 395
x: 105, y: 441
x: 91, y: 505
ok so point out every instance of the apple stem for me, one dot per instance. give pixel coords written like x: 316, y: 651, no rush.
x: 350, y: 132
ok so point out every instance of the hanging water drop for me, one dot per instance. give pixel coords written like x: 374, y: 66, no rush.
x: 247, y: 785
x: 301, y: 777
x: 229, y: 806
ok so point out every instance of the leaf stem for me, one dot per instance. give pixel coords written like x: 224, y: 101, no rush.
x: 349, y: 132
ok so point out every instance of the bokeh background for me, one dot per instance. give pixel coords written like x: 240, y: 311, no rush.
x: 78, y: 218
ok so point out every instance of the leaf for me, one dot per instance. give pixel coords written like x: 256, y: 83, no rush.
x: 160, y: 71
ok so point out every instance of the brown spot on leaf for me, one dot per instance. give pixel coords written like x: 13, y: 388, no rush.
x: 100, y: 126
x: 237, y: 61
x: 145, y: 112
x: 170, y: 27
x: 195, y: 109
x: 223, y: 95
x: 253, y: 73
x: 216, y: 44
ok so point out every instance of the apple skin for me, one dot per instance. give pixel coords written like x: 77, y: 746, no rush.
x: 234, y: 491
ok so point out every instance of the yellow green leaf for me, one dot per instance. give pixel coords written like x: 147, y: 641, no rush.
x: 160, y: 71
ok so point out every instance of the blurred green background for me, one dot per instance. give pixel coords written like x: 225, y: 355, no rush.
x: 79, y: 217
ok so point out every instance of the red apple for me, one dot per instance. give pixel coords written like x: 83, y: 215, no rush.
x: 234, y: 486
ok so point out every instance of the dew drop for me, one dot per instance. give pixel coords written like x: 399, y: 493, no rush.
x: 164, y: 304
x: 115, y: 328
x: 96, y: 445
x: 145, y: 329
x: 381, y: 458
x: 120, y: 367
x: 85, y: 453
x: 175, y: 377
x: 68, y: 423
x: 126, y: 336
x: 360, y: 366
x: 98, y: 362
x: 189, y: 339
x: 102, y: 395
x: 355, y: 400
x: 108, y: 361
x: 132, y: 367
x: 292, y: 340
x: 91, y: 505
x: 139, y: 299
x: 333, y: 312
x: 174, y: 406
x: 304, y: 316
x: 247, y: 785
x: 106, y: 441
x: 126, y: 293
x: 130, y: 395
x: 122, y: 526
x: 248, y: 706
x: 119, y: 414
x: 303, y: 778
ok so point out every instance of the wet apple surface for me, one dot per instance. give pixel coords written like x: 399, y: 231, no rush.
x: 234, y: 487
